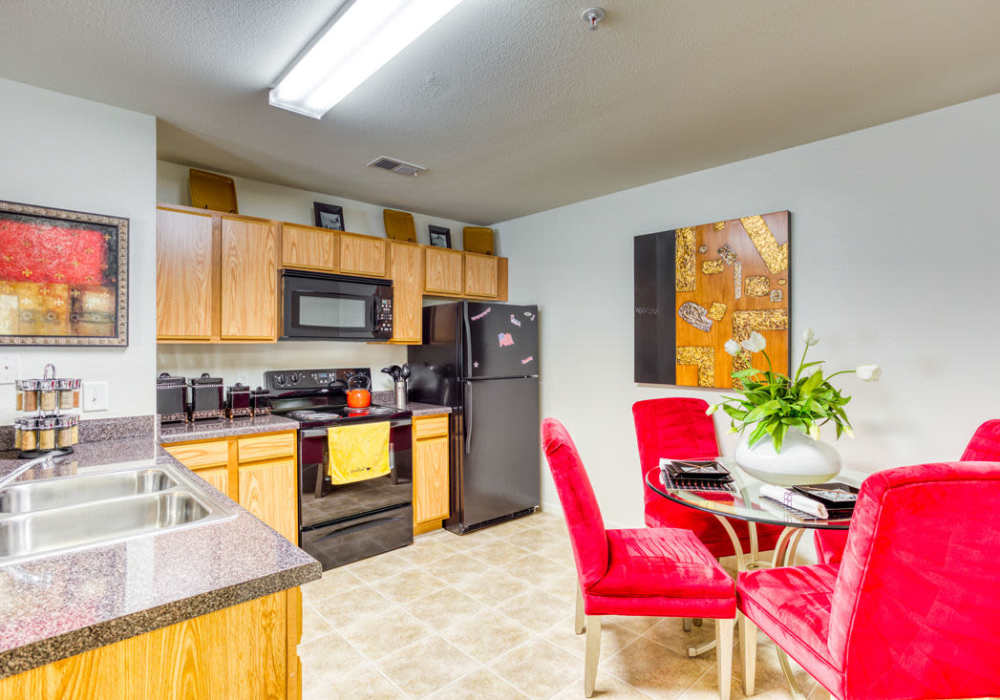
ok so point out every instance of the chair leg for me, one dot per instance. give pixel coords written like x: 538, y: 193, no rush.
x: 724, y: 655
x: 593, y: 654
x: 578, y: 625
x: 748, y: 647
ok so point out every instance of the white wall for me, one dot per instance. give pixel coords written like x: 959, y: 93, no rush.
x: 895, y: 252
x: 65, y: 152
x: 248, y: 362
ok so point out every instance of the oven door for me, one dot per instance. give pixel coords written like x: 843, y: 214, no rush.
x: 321, y: 503
x: 321, y: 307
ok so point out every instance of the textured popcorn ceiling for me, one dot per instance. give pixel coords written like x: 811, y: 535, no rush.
x: 512, y: 104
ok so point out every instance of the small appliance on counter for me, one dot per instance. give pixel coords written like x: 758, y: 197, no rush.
x: 171, y: 398
x: 206, y: 397
x: 238, y: 401
x: 260, y: 401
x: 47, y: 430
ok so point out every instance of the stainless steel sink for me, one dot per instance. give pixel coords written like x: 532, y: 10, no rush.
x: 43, y: 517
x: 32, y: 496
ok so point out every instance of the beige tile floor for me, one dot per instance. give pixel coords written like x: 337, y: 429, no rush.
x: 490, y: 615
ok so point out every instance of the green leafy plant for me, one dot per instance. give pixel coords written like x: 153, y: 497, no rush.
x: 772, y: 403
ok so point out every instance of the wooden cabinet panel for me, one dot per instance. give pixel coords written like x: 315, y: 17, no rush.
x: 249, y: 279
x: 430, y: 479
x: 443, y: 271
x: 407, y: 273
x: 237, y: 652
x: 430, y: 426
x: 217, y: 477
x: 480, y: 275
x: 198, y: 455
x: 309, y: 248
x: 267, y: 489
x: 184, y: 264
x: 258, y: 447
x: 362, y: 255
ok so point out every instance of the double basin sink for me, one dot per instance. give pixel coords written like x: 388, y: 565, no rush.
x: 50, y: 516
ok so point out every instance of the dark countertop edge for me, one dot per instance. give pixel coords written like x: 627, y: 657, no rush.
x: 46, y: 651
x: 221, y: 429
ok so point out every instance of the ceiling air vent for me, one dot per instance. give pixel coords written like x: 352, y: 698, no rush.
x: 397, y: 166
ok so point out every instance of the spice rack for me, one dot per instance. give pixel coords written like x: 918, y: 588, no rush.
x: 47, y: 430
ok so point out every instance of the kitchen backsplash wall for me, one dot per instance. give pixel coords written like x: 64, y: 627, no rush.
x: 247, y: 363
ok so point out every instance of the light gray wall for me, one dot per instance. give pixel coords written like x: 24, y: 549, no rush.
x: 65, y: 152
x: 248, y: 362
x: 895, y: 252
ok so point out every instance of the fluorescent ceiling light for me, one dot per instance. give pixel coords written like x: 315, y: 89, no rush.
x: 360, y: 40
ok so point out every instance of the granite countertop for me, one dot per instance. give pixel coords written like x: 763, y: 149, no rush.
x: 60, y: 605
x: 212, y: 429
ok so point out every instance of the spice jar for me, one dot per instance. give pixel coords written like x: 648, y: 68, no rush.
x: 47, y: 433
x: 47, y: 397
x: 67, y: 431
x: 27, y: 395
x: 27, y: 436
x: 69, y: 393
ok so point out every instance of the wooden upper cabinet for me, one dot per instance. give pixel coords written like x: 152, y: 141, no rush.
x: 407, y: 273
x: 362, y: 255
x: 480, y: 275
x: 184, y: 265
x: 443, y: 271
x: 309, y: 248
x: 249, y: 279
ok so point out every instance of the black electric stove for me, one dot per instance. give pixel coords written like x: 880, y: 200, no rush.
x: 341, y: 523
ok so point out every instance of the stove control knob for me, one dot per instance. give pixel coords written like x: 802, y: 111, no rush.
x: 279, y: 379
x: 294, y: 377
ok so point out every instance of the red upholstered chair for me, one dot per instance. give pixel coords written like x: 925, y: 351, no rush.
x: 658, y: 572
x: 983, y: 447
x: 903, y: 616
x: 679, y: 428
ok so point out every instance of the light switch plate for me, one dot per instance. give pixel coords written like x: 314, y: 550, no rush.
x: 95, y: 396
x: 10, y: 368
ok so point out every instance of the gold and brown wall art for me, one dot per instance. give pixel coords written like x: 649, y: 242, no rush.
x: 698, y: 286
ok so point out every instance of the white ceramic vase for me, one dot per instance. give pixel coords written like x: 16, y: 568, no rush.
x: 802, y: 460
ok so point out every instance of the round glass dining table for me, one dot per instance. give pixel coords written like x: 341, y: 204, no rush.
x: 744, y: 502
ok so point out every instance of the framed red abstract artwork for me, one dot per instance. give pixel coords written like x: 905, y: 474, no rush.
x: 63, y: 277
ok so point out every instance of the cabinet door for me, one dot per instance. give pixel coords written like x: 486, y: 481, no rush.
x: 184, y: 263
x: 407, y: 273
x: 217, y: 477
x: 267, y: 489
x: 198, y: 455
x: 309, y: 248
x: 443, y: 271
x: 362, y: 255
x: 480, y: 275
x: 249, y: 279
x: 430, y: 479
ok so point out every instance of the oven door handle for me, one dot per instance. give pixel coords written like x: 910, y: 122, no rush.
x: 321, y: 432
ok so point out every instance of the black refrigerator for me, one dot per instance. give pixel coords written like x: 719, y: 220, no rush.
x: 481, y: 359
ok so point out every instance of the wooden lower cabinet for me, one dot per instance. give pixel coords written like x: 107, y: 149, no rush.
x: 430, y: 472
x: 244, y: 652
x: 256, y: 471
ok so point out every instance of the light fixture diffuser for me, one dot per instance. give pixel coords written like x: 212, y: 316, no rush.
x: 361, y: 39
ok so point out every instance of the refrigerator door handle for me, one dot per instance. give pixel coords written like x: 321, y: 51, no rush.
x: 468, y: 423
x: 467, y: 370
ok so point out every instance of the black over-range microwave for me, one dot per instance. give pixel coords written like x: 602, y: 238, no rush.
x: 335, y: 307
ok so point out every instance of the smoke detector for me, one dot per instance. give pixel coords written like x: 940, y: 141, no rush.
x: 593, y: 17
x: 400, y: 167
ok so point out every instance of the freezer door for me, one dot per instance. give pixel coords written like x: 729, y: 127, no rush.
x: 500, y: 340
x: 500, y: 454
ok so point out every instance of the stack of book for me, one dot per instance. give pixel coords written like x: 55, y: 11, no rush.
x: 696, y: 475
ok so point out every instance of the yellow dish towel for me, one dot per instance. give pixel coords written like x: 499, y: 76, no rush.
x: 358, y: 452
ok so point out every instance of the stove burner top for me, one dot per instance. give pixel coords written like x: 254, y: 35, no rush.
x: 334, y: 413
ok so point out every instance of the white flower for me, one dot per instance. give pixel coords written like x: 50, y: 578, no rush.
x: 732, y: 347
x: 809, y: 337
x: 755, y: 343
x: 868, y: 373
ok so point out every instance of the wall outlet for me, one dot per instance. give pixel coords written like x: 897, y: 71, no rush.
x: 10, y: 368
x: 95, y: 396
